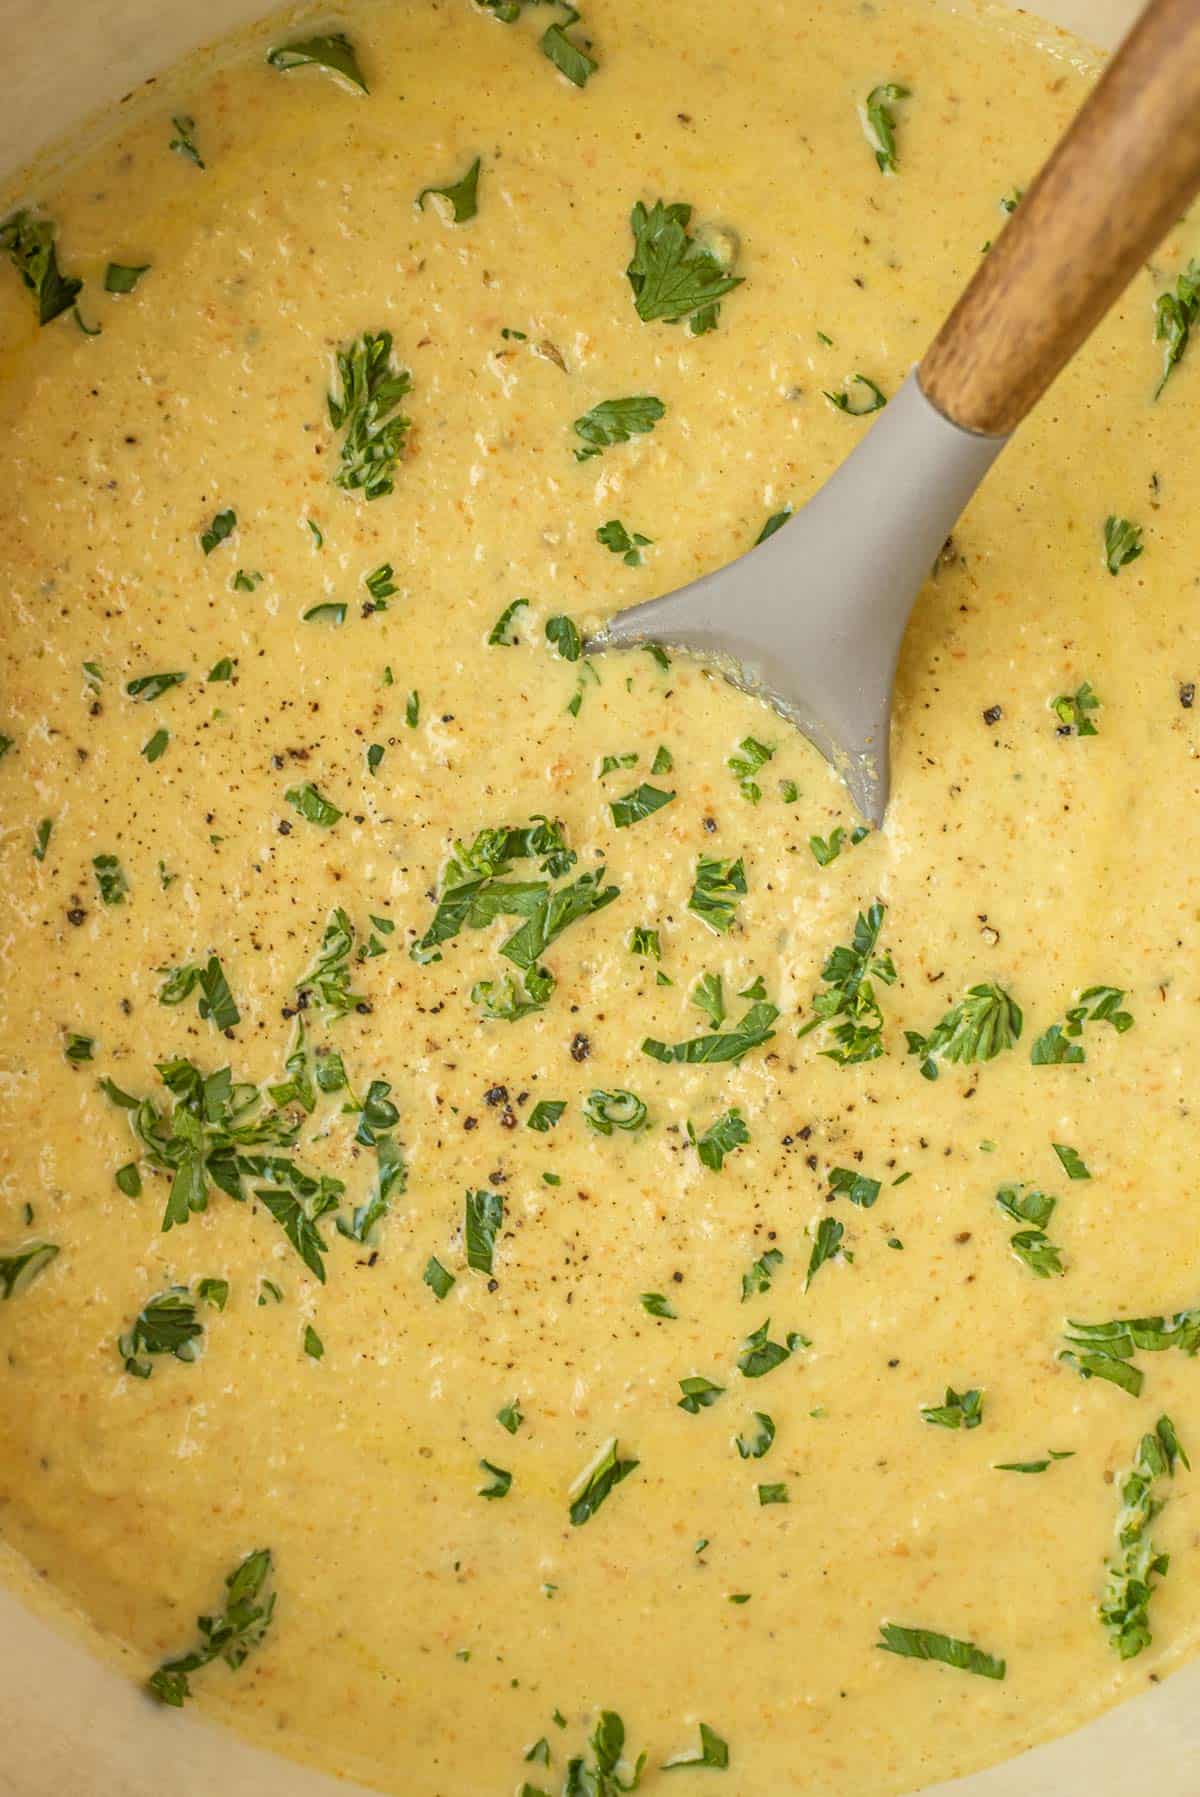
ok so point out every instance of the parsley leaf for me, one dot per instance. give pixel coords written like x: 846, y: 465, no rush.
x: 715, y: 891
x: 152, y: 686
x: 775, y: 522
x: 879, y: 123
x: 183, y: 143
x: 674, y: 275
x: 437, y: 1278
x: 166, y: 1324
x: 123, y: 277
x: 752, y: 1031
x: 642, y: 802
x: 760, y: 1356
x: 758, y: 1279
x: 19, y: 1269
x: 223, y: 525
x: 563, y: 634
x: 568, y: 57
x: 844, y: 1182
x: 502, y: 634
x: 713, y: 1751
x: 827, y: 1245
x: 461, y: 196
x: 655, y: 1305
x: 719, y: 1139
x: 619, y: 541
x: 961, y: 1410
x: 1124, y: 1608
x: 616, y: 421
x: 850, y: 995
x: 924, y: 1644
x: 698, y: 1393
x: 978, y: 1028
x: 231, y: 1636
x: 606, y: 1111
x: 1032, y: 1245
x: 510, y: 1416
x: 1122, y: 543
x: 28, y: 242
x: 484, y: 1217
x: 332, y: 51
x: 312, y: 805
x: 1073, y: 711
x: 753, y: 1447
x: 753, y: 755
x: 155, y: 746
x: 369, y: 389
x: 501, y: 1481
x: 1058, y: 1046
x: 110, y: 878
x: 545, y: 1114
x: 1073, y: 1163
x: 1174, y: 315
x: 873, y: 400
x: 596, y: 1481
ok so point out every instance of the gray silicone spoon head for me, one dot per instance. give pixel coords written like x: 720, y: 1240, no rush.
x: 813, y: 618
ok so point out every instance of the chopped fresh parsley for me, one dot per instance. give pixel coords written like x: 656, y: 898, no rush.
x: 1125, y: 1606
x: 751, y: 758
x: 330, y: 611
x: 28, y: 242
x: 123, y: 277
x: 655, y: 1305
x: 484, y: 1215
x: 644, y: 941
x: 545, y: 1114
x: 437, y: 1278
x: 758, y: 1279
x: 1122, y: 543
x: 772, y: 1494
x: 849, y: 1003
x: 924, y: 1644
x: 755, y: 1028
x: 1059, y: 1045
x: 719, y: 1139
x: 563, y: 634
x: 1073, y: 711
x: 184, y: 142
x: 370, y: 387
x: 461, y: 196
x: 1175, y: 313
x: 826, y: 1245
x: 698, y: 1393
x: 148, y: 687
x: 1073, y: 1163
x: 165, y: 1325
x: 503, y: 634
x: 879, y: 123
x: 332, y: 51
x: 760, y: 1356
x: 642, y: 802
x: 844, y: 1182
x: 775, y: 522
x: 19, y: 1269
x: 605, y: 1471
x: 312, y: 805
x: 753, y: 1447
x: 155, y: 746
x: 111, y: 879
x: 616, y: 421
x: 41, y: 838
x: 1032, y: 1245
x: 501, y: 1481
x: 873, y: 400
x: 961, y: 1410
x: 223, y: 525
x: 510, y: 1416
x: 980, y: 1026
x: 606, y: 1111
x: 712, y: 1751
x: 313, y: 1346
x: 826, y: 851
x: 620, y: 541
x: 1033, y: 1466
x: 715, y: 891
x: 230, y: 1636
x: 675, y: 275
x: 1105, y: 1350
x: 216, y: 999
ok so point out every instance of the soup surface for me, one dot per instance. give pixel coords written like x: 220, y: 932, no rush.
x: 559, y: 1364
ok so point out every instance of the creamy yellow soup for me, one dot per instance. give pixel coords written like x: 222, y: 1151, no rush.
x: 485, y: 1372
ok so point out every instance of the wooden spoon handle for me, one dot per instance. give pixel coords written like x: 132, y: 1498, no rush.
x: 1115, y: 184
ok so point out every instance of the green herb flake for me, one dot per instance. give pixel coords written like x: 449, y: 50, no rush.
x: 41, y: 838
x: 110, y: 878
x: 1122, y: 543
x: 184, y: 142
x: 223, y: 525
x: 370, y: 387
x: 879, y: 123
x: 1125, y: 1605
x: 924, y: 1644
x: 873, y: 399
x: 437, y: 1278
x: 754, y: 1446
x: 314, y: 1347
x: 230, y: 1636
x: 849, y: 1003
x: 461, y: 196
x: 719, y: 1139
x: 642, y: 802
x: 484, y: 1216
x: 985, y: 1022
x: 772, y: 1494
x: 1175, y: 313
x: 698, y: 1394
x: 712, y: 1751
x: 19, y: 1269
x: 545, y: 1114
x: 675, y: 275
x: 1073, y: 1163
x: 156, y: 745
x: 333, y: 52
x: 606, y: 1111
x: 597, y: 1481
x: 961, y: 1410
x: 616, y: 421
x: 28, y: 242
x: 312, y: 805
x: 655, y: 1305
x: 620, y: 541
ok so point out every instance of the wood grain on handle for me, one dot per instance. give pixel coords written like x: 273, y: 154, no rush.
x: 1114, y: 186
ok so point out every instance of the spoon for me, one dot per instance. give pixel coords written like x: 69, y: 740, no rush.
x: 812, y: 619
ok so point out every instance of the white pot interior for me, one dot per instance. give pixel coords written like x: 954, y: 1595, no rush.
x: 72, y: 1722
